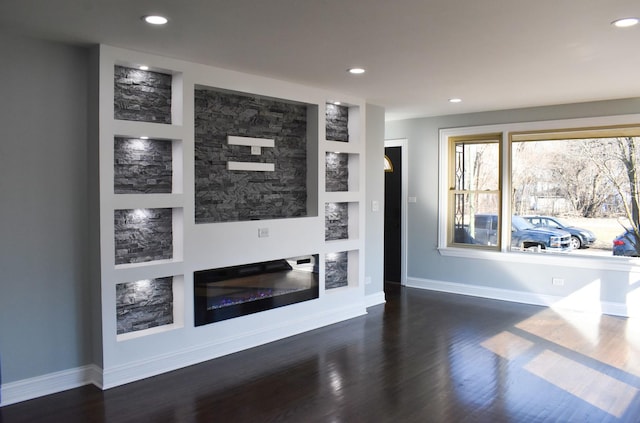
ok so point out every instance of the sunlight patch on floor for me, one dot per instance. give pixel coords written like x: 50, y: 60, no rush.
x: 507, y: 345
x: 592, y: 386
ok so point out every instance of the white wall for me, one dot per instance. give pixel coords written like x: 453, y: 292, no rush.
x: 517, y: 280
x: 374, y: 220
x: 44, y: 214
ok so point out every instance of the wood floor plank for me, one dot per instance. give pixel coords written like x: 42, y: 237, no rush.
x: 422, y: 357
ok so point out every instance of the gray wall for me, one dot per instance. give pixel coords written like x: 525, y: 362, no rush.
x: 425, y: 262
x: 44, y: 315
x: 374, y: 221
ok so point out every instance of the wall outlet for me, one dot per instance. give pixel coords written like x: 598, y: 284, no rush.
x: 557, y: 281
x: 263, y: 232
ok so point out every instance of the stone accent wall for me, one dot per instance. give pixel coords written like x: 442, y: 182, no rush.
x: 337, y: 127
x: 144, y: 304
x: 143, y: 235
x: 336, y: 221
x: 142, y: 95
x: 142, y: 166
x: 337, y: 172
x: 223, y: 195
x: 336, y: 270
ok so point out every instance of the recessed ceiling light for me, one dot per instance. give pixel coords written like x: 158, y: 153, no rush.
x: 455, y: 100
x: 143, y: 67
x: 356, y: 71
x: 625, y: 22
x: 144, y: 137
x: 155, y: 19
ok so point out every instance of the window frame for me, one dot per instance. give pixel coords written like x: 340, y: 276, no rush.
x: 594, y: 127
x: 484, y: 138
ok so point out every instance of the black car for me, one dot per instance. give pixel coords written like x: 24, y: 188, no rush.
x: 580, y: 238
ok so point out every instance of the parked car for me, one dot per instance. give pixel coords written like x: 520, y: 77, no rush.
x: 624, y: 244
x: 580, y: 237
x: 524, y: 235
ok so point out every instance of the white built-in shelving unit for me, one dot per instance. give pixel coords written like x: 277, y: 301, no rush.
x: 135, y: 355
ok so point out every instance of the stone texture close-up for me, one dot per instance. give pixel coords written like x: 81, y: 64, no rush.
x: 143, y: 235
x: 223, y: 195
x: 336, y: 270
x: 337, y: 126
x: 144, y: 304
x: 142, y: 166
x: 143, y: 96
x: 337, y: 172
x: 336, y: 221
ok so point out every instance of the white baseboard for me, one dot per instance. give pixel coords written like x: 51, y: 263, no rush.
x: 374, y: 299
x: 524, y: 297
x: 26, y: 389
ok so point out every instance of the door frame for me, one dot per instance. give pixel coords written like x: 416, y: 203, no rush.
x: 403, y: 144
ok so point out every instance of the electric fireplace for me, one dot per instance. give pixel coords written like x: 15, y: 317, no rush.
x: 228, y: 292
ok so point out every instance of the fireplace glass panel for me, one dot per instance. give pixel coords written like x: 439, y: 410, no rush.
x: 229, y: 292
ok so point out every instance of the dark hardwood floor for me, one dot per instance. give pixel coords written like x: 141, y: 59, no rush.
x: 422, y: 357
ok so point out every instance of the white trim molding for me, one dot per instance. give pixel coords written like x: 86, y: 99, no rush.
x: 375, y: 299
x: 26, y: 389
x: 522, y: 297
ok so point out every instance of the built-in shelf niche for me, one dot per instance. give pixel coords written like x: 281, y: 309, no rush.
x: 341, y: 269
x: 142, y: 166
x: 142, y: 95
x: 149, y: 306
x: 342, y: 172
x: 337, y: 122
x: 147, y: 235
x: 341, y: 221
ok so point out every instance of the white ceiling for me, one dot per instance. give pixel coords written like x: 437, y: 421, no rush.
x: 494, y: 54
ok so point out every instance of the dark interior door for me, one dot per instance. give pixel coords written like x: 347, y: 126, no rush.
x: 392, y: 216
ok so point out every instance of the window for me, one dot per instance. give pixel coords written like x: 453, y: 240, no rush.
x: 584, y: 182
x: 545, y: 189
x: 474, y: 190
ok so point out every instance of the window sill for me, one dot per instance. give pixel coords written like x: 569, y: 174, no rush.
x: 622, y: 264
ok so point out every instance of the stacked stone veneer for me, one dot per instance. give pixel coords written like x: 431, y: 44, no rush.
x: 142, y: 95
x: 142, y: 166
x: 143, y: 235
x: 337, y: 123
x: 337, y: 172
x: 336, y: 270
x: 144, y: 304
x: 336, y: 221
x: 223, y: 195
